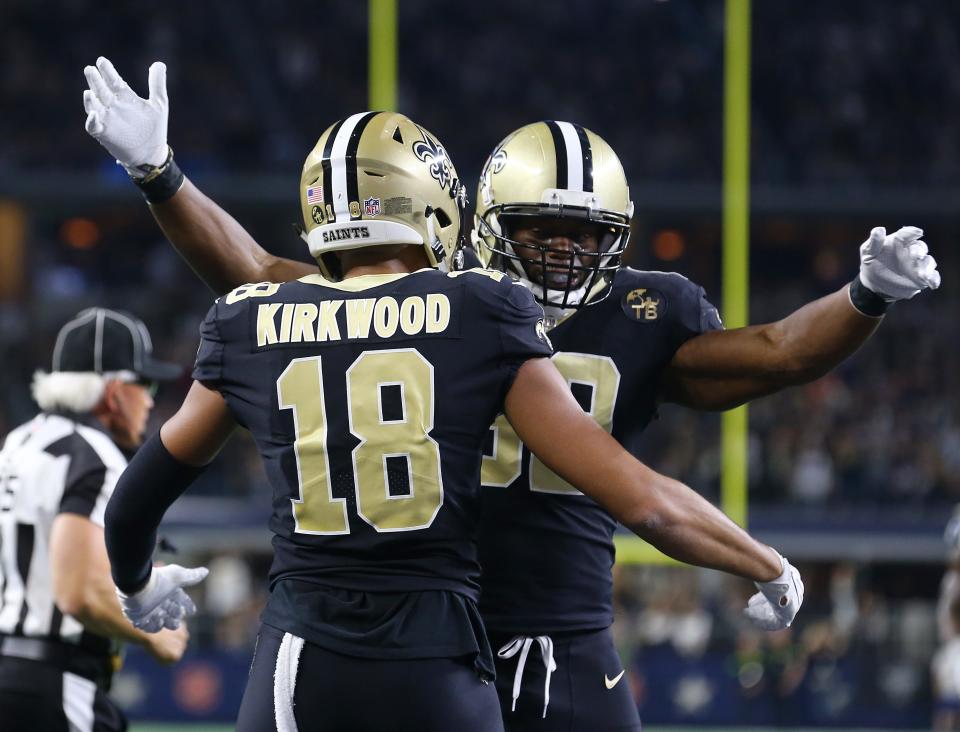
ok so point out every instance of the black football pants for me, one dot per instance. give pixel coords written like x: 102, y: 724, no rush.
x: 588, y: 690
x: 37, y: 697
x: 295, y: 685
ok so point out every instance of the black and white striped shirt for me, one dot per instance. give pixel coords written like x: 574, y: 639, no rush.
x: 50, y: 465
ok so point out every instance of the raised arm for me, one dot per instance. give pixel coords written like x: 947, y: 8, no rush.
x: 721, y: 369
x: 134, y: 131
x: 216, y: 246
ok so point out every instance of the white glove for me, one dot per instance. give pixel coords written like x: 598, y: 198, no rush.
x: 162, y: 603
x: 132, y: 129
x: 897, y: 266
x: 777, y: 603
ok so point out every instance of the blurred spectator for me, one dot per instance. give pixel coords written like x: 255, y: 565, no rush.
x: 831, y: 669
x: 260, y: 87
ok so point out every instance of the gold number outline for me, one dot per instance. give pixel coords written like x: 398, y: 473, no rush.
x: 299, y: 506
x: 252, y: 289
x: 508, y: 450
x: 415, y: 499
x: 308, y: 406
x: 566, y: 361
x: 505, y: 465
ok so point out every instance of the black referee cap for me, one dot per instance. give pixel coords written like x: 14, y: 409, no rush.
x: 101, y: 340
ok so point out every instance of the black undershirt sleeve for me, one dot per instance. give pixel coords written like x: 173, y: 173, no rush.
x: 148, y: 487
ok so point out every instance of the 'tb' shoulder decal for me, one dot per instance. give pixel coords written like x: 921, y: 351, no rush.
x: 644, y: 305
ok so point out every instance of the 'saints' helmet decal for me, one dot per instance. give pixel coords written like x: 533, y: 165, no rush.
x: 379, y: 178
x: 558, y: 170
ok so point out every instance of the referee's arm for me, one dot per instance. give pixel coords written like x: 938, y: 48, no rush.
x: 82, y: 588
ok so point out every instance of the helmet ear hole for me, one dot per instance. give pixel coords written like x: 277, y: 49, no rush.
x: 442, y: 219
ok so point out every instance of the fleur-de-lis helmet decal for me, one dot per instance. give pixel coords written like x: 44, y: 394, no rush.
x: 432, y: 152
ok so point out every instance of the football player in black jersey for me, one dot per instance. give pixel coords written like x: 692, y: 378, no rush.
x: 553, y: 210
x: 369, y: 389
x: 637, y: 344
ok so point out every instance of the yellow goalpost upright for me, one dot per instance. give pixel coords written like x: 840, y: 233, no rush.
x: 736, y: 266
x: 382, y: 55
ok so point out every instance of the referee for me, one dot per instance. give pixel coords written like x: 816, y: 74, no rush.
x: 60, y: 621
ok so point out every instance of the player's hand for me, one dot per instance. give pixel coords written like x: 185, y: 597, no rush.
x: 162, y: 603
x: 897, y: 266
x: 167, y: 646
x: 131, y: 128
x: 777, y: 603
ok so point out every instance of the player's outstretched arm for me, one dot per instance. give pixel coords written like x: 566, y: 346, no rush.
x: 166, y: 465
x: 134, y: 131
x: 216, y: 246
x: 721, y: 369
x: 668, y: 514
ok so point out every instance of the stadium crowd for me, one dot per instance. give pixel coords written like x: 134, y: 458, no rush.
x: 859, y: 656
x: 881, y: 430
x: 823, y: 84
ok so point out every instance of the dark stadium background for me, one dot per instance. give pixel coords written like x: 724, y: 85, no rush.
x: 854, y: 124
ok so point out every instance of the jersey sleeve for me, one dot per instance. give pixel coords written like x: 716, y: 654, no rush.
x: 709, y: 315
x: 522, y: 332
x: 97, y: 511
x: 83, y: 488
x: 94, y: 468
x: 698, y: 314
x: 208, y: 368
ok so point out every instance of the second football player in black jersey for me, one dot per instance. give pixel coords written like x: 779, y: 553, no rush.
x: 553, y: 210
x: 612, y: 354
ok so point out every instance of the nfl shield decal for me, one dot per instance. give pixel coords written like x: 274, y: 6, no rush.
x: 371, y: 207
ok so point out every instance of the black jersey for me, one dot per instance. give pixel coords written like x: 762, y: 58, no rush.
x: 546, y: 549
x: 370, y: 401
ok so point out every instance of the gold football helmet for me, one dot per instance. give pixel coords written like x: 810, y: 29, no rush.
x: 379, y: 178
x: 554, y: 170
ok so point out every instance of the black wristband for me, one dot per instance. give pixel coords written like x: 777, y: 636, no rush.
x: 146, y: 489
x: 866, y: 300
x: 161, y: 183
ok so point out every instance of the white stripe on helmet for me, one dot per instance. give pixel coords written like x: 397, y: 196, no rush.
x: 571, y: 141
x: 338, y: 167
